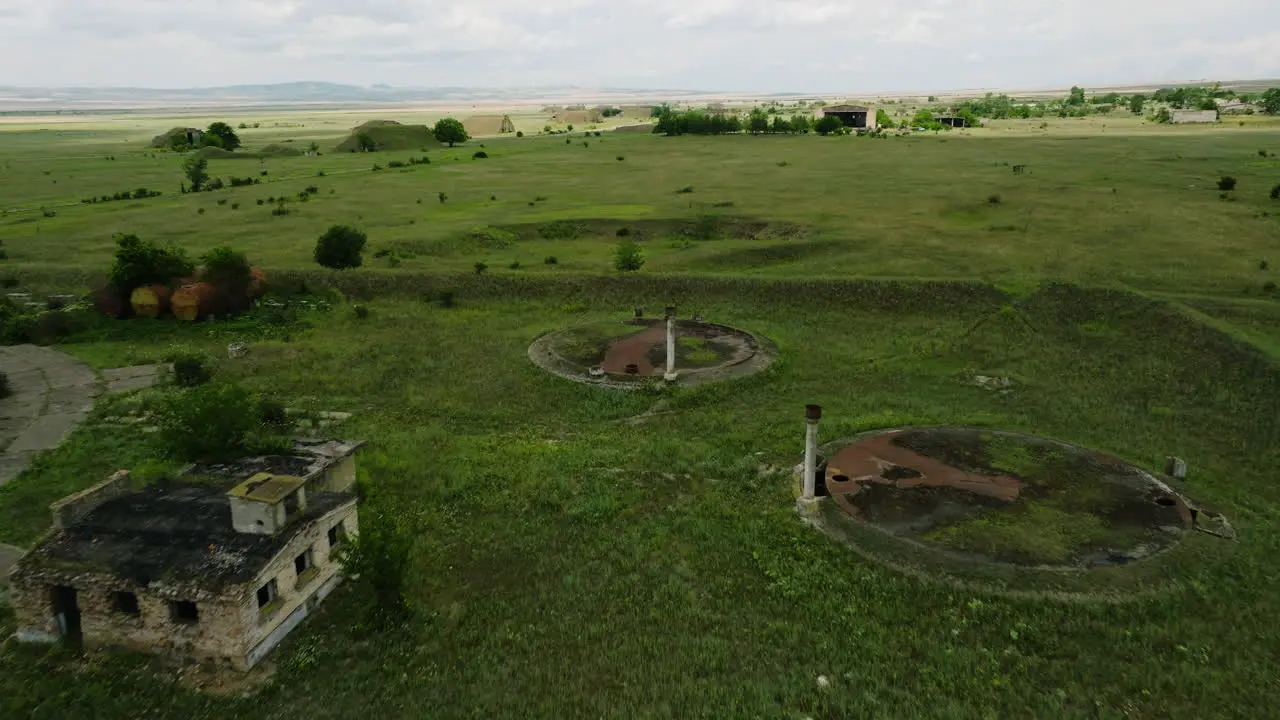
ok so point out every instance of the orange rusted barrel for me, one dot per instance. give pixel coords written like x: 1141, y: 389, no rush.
x: 195, y: 301
x: 110, y: 302
x: 150, y: 301
x: 257, y: 283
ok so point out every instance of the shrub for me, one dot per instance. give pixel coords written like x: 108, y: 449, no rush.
x: 222, y: 201
x: 1275, y: 192
x: 228, y: 271
x: 235, y: 206
x: 1263, y: 265
x: 628, y: 256
x: 480, y: 155
x: 340, y: 247
x: 1262, y: 153
x: 378, y: 559
x: 376, y: 167
x: 361, y: 312
x: 551, y: 260
x: 480, y: 268
x: 280, y: 209
x: 189, y: 371
x: 515, y: 265
x: 1226, y: 183
x: 200, y: 211
x: 272, y: 414
x: 685, y: 190
x: 443, y: 196
x: 1269, y: 287
x: 623, y: 232
x: 446, y: 300
x: 5, y: 389
x: 395, y: 164
x: 320, y: 173
x: 263, y: 172
x: 312, y: 189
x: 540, y: 198
x: 138, y: 262
x: 493, y: 197
x: 207, y: 423
x: 621, y: 158
x: 519, y: 133
x: 994, y: 199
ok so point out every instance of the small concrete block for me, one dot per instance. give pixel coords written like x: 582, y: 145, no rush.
x: 808, y: 507
x: 235, y: 351
x: 1175, y: 467
x: 671, y: 377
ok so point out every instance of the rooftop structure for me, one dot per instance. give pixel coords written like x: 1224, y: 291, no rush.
x: 219, y: 563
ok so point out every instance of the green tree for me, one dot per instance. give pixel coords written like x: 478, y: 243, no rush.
x: 780, y: 125
x: 378, y: 558
x: 758, y: 122
x: 340, y: 247
x: 229, y: 272
x: 801, y: 123
x: 365, y: 142
x: 628, y: 257
x: 828, y: 124
x: 1270, y: 101
x: 207, y: 423
x: 1077, y: 96
x: 882, y: 118
x: 1137, y: 103
x: 228, y: 140
x: 449, y: 130
x: 138, y: 262
x: 196, y: 168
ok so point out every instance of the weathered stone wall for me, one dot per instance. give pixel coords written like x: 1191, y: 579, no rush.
x: 73, y: 507
x: 1179, y: 117
x: 230, y: 624
x: 339, y: 477
x: 291, y: 590
x: 255, y: 517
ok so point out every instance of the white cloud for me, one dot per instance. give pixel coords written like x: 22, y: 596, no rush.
x: 741, y: 45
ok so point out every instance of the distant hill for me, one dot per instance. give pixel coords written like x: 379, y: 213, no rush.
x: 390, y: 135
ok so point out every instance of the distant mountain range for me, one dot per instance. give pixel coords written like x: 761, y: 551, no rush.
x: 42, y: 98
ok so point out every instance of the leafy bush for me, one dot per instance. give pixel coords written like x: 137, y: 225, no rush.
x: 623, y: 232
x: 519, y: 133
x: 312, y: 189
x: 280, y: 209
x: 1262, y: 153
x: 443, y: 196
x: 515, y: 265
x: 560, y: 230
x: 189, y: 371
x: 550, y: 260
x: 1275, y: 192
x: 376, y: 167
x: 628, y: 256
x: 207, y: 423
x: 480, y: 155
x: 340, y: 247
x: 361, y: 312
x: 685, y: 190
x: 1269, y: 287
x: 378, y: 559
x: 229, y: 271
x: 994, y: 199
x: 446, y: 300
x: 1226, y: 183
x: 480, y: 268
x: 272, y: 414
x: 139, y: 262
x: 235, y: 206
x: 621, y: 158
x: 200, y: 211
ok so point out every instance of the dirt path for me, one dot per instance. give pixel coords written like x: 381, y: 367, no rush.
x: 875, y: 460
x: 634, y: 350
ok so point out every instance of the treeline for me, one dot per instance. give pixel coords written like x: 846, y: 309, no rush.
x: 139, y: 194
x: 759, y: 122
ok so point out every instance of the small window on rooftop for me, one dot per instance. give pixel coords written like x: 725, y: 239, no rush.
x: 266, y: 594
x: 125, y: 602
x: 184, y: 612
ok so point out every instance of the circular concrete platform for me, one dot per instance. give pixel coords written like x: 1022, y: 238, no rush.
x: 632, y: 353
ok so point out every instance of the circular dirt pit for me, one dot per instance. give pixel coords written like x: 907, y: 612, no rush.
x: 1004, y: 498
x: 633, y: 353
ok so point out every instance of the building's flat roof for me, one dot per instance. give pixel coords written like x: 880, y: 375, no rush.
x: 306, y: 460
x: 846, y: 108
x: 267, y: 488
x: 172, y: 532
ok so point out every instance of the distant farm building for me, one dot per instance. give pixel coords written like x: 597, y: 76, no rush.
x: 218, y: 564
x: 953, y: 121
x: 481, y: 125
x: 578, y: 117
x: 1180, y: 117
x: 854, y: 116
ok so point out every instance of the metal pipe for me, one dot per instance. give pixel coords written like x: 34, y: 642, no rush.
x: 812, y: 414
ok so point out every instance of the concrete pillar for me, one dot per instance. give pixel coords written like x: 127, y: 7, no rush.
x: 671, y: 343
x: 812, y: 414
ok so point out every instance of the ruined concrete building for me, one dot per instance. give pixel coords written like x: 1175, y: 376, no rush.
x: 220, y: 563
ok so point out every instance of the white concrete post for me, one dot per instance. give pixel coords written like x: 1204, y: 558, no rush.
x: 671, y: 343
x: 812, y: 414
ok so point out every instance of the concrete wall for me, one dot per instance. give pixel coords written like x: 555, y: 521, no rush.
x: 291, y: 593
x: 339, y: 477
x: 254, y: 517
x: 230, y: 626
x: 74, y: 507
x: 1179, y: 117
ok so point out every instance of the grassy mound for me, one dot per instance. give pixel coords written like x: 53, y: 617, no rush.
x: 165, y: 141
x: 390, y: 135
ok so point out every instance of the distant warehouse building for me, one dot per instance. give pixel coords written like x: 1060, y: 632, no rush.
x: 854, y: 116
x: 1180, y: 117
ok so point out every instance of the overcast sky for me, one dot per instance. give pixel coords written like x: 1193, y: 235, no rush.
x: 733, y: 45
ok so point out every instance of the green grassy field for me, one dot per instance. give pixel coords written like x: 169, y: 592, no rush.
x: 575, y: 559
